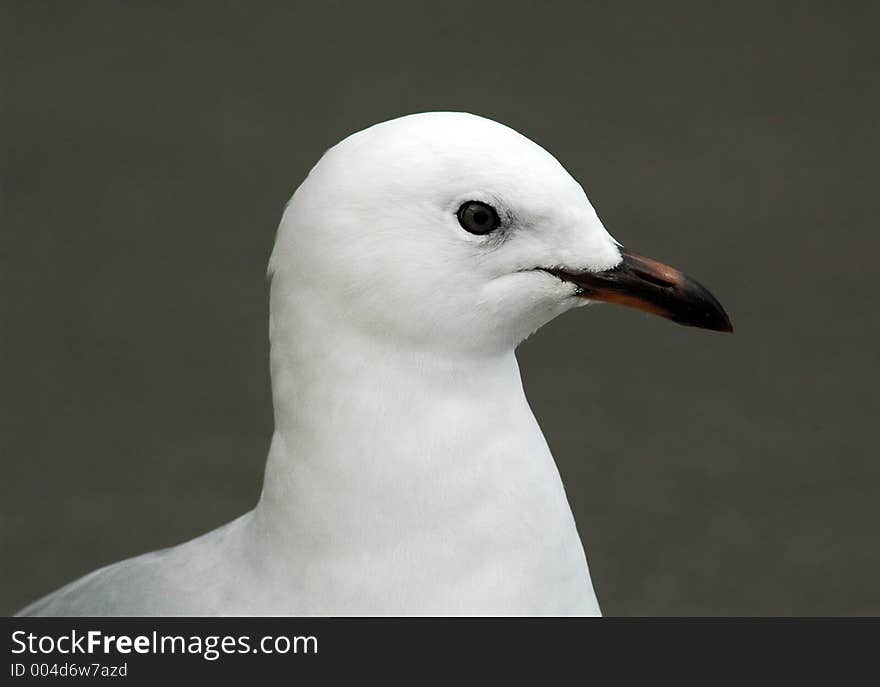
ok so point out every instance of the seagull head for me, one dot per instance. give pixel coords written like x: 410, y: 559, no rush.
x: 453, y: 231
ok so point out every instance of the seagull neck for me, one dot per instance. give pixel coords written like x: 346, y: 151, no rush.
x: 360, y: 421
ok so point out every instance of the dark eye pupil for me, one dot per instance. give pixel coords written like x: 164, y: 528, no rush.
x: 478, y: 218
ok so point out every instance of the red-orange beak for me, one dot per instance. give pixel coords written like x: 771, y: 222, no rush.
x: 645, y: 284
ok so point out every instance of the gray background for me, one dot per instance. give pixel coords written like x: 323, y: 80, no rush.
x: 147, y: 151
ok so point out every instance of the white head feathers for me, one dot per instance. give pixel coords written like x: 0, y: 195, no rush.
x: 372, y: 235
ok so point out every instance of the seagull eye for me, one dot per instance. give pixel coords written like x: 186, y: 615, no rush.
x: 477, y: 217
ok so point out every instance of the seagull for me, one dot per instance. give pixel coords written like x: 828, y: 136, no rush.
x: 407, y: 474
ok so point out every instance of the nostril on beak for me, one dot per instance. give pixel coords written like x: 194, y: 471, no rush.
x: 653, y: 279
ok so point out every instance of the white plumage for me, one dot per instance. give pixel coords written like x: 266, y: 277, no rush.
x: 407, y: 474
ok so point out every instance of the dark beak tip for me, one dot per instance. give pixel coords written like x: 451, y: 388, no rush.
x: 721, y: 323
x: 724, y: 327
x: 717, y: 321
x: 700, y: 309
x: 715, y: 317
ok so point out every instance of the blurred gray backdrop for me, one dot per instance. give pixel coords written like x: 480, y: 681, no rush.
x: 147, y: 152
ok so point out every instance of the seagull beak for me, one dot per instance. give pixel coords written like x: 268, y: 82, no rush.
x: 645, y: 284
